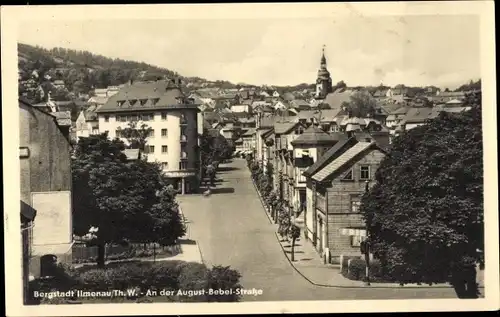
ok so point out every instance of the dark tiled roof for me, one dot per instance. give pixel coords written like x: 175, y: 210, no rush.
x: 316, y: 136
x: 331, y: 153
x: 165, y: 94
x: 418, y: 115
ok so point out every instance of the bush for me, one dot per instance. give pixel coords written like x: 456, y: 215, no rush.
x: 225, y: 278
x: 172, y: 275
x: 357, y: 270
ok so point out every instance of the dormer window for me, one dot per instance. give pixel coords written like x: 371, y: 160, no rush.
x: 120, y: 103
x: 132, y: 101
x: 155, y: 100
x: 143, y: 102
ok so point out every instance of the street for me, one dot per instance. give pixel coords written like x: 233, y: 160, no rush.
x: 232, y: 229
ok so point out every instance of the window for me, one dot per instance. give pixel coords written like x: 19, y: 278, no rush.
x: 164, y: 149
x: 164, y: 165
x: 164, y: 133
x: 164, y: 116
x: 143, y: 102
x: 149, y: 149
x: 132, y: 102
x: 118, y: 133
x: 154, y: 101
x: 120, y: 102
x: 184, y: 155
x: 355, y: 203
x: 364, y: 172
x: 123, y: 118
x: 106, y: 118
x: 348, y: 176
x: 151, y: 134
x: 356, y: 241
x: 183, y: 165
x: 95, y: 131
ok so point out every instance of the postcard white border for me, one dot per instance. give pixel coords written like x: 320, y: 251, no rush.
x: 11, y: 19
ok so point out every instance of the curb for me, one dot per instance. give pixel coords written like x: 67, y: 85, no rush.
x: 262, y: 203
x: 338, y: 286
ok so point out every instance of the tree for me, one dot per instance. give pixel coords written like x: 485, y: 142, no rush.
x: 340, y: 85
x: 136, y: 135
x: 425, y: 212
x: 361, y: 104
x: 124, y: 200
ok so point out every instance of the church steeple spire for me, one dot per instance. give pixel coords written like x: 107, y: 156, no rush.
x: 324, y: 81
x: 323, y: 58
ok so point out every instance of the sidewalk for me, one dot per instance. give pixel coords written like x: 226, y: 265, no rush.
x: 309, y: 264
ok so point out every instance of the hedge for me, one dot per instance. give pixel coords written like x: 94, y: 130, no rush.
x: 357, y: 270
x: 143, y: 276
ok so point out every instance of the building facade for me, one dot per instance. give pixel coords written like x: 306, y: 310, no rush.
x: 173, y: 119
x: 335, y: 185
x: 46, y: 191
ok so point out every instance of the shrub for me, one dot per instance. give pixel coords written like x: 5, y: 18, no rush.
x: 357, y: 270
x: 224, y: 278
x: 193, y: 276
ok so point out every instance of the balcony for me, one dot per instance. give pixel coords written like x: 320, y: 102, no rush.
x: 183, y: 139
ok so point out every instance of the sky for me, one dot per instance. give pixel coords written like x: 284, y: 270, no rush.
x: 441, y: 50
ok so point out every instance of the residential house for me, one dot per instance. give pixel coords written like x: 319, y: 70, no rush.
x: 241, y: 108
x: 87, y: 122
x: 263, y: 124
x: 162, y: 106
x: 416, y: 117
x: 335, y: 184
x: 276, y: 94
x: 46, y: 191
x: 284, y: 133
x: 395, y: 118
x: 248, y: 139
x: 280, y: 105
x: 307, y: 148
x: 101, y: 92
x: 97, y: 100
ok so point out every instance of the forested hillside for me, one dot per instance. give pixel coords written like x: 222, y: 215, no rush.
x: 80, y: 71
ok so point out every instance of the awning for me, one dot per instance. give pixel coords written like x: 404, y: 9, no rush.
x: 355, y: 232
x: 27, y: 211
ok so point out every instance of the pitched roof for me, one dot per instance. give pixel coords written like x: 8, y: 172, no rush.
x: 160, y: 94
x: 63, y: 118
x: 418, y: 115
x: 316, y: 136
x: 284, y: 127
x: 337, y: 98
x: 332, y: 152
x: 267, y: 133
x: 299, y: 103
x: 340, y: 161
x: 249, y: 132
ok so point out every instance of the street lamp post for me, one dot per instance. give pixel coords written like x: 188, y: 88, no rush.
x: 367, y: 247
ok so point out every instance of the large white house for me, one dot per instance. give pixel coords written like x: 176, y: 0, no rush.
x: 162, y: 106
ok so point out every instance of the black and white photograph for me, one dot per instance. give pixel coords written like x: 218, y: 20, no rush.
x: 301, y: 157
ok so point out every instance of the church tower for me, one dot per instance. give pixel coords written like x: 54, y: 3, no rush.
x: 324, y: 81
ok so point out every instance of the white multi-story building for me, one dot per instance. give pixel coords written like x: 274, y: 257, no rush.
x: 173, y: 118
